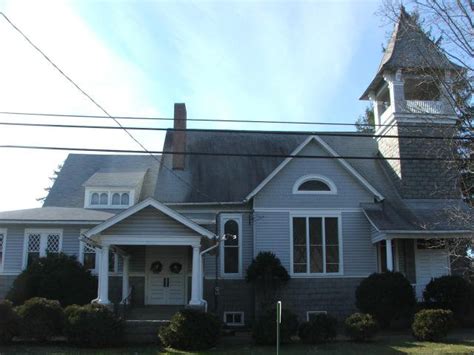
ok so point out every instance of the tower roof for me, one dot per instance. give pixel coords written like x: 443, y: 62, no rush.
x: 409, y: 48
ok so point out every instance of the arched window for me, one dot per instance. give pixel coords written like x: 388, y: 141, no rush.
x: 116, y: 199
x: 314, y: 184
x: 104, y: 197
x: 231, y: 246
x: 95, y: 198
x: 125, y: 199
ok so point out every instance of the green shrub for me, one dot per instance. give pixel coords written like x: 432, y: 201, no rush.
x: 41, y: 319
x: 93, y: 325
x: 386, y: 296
x: 57, y: 277
x: 450, y: 292
x: 264, y: 329
x: 191, y: 330
x: 320, y: 329
x: 432, y: 324
x: 267, y: 274
x: 360, y: 326
x: 9, y: 322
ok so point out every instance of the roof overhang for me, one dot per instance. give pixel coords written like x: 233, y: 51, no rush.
x: 331, y: 152
x: 149, y: 202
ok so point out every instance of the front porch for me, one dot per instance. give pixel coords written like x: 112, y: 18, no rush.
x: 161, y: 256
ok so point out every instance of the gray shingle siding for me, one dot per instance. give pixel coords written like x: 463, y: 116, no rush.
x: 278, y: 192
x: 150, y: 222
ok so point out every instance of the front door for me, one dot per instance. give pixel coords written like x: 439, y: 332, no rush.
x: 164, y: 286
x: 431, y: 261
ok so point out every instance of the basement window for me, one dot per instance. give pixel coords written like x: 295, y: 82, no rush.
x: 234, y: 318
x: 311, y: 314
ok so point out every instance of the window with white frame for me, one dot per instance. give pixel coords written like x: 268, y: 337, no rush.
x: 108, y: 199
x: 231, y: 227
x: 311, y: 314
x: 88, y: 256
x: 234, y: 318
x: 3, y: 236
x: 314, y: 184
x: 316, y: 245
x: 39, y: 243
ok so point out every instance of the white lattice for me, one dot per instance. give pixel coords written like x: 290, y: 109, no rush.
x: 34, y: 241
x: 88, y: 249
x: 53, y: 243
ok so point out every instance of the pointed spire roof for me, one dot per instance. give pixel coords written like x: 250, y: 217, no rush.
x: 409, y: 48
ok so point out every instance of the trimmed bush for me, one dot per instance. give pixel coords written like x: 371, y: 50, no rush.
x: 432, y: 324
x: 56, y: 277
x: 41, y: 319
x: 9, y: 322
x: 450, y: 292
x: 360, y: 326
x: 264, y: 330
x: 191, y: 330
x: 320, y: 329
x: 93, y: 325
x: 386, y: 296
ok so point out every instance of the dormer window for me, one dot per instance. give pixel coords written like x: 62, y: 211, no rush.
x: 314, y: 184
x: 108, y: 199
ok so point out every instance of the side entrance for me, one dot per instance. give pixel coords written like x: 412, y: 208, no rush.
x: 166, y: 275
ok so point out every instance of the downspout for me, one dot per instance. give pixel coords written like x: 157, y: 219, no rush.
x: 201, y: 265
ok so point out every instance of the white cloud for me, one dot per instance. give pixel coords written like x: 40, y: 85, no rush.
x: 29, y: 83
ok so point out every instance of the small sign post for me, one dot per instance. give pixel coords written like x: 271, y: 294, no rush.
x: 278, y: 322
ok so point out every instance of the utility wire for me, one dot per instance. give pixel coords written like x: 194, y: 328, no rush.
x: 428, y: 121
x: 100, y: 106
x: 295, y: 133
x: 248, y: 155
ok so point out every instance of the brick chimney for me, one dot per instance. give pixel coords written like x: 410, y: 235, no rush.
x: 179, y: 137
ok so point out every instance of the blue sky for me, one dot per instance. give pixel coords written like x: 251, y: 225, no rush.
x: 276, y: 60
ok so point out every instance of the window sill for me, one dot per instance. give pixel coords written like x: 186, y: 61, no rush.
x: 316, y: 276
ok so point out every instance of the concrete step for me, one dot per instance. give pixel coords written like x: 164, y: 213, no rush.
x: 143, y: 331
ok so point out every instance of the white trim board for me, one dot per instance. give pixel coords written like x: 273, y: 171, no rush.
x: 3, y: 232
x: 160, y: 207
x: 331, y: 151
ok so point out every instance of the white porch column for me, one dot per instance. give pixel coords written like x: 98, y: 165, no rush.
x: 125, y: 278
x: 104, y: 275
x: 196, y: 275
x: 388, y: 248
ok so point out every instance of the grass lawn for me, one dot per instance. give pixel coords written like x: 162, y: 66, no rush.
x: 458, y: 343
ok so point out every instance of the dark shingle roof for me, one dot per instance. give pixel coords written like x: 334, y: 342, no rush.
x: 409, y: 48
x: 231, y: 179
x: 68, y: 189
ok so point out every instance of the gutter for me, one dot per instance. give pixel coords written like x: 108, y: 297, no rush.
x: 201, y: 266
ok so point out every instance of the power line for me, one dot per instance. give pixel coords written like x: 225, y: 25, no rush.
x: 100, y: 107
x: 247, y: 155
x: 296, y: 133
x: 219, y: 120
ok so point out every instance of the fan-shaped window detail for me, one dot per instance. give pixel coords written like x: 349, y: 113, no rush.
x: 314, y: 184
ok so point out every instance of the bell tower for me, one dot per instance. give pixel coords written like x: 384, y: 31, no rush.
x: 411, y: 97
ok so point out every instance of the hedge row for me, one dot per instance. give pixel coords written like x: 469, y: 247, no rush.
x: 41, y: 320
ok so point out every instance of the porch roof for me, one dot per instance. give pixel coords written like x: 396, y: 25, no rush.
x: 421, y: 216
x: 150, y: 202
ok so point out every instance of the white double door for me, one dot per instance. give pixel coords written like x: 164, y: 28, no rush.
x: 166, y: 287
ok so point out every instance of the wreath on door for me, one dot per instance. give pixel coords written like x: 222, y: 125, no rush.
x: 156, y: 267
x: 175, y: 268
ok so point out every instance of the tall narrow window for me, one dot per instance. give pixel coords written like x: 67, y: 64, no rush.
x: 113, y: 262
x: 116, y: 199
x: 2, y: 247
x: 125, y: 199
x: 34, y: 247
x: 88, y: 256
x: 231, y: 247
x: 95, y: 198
x: 104, y: 198
x: 316, y: 244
